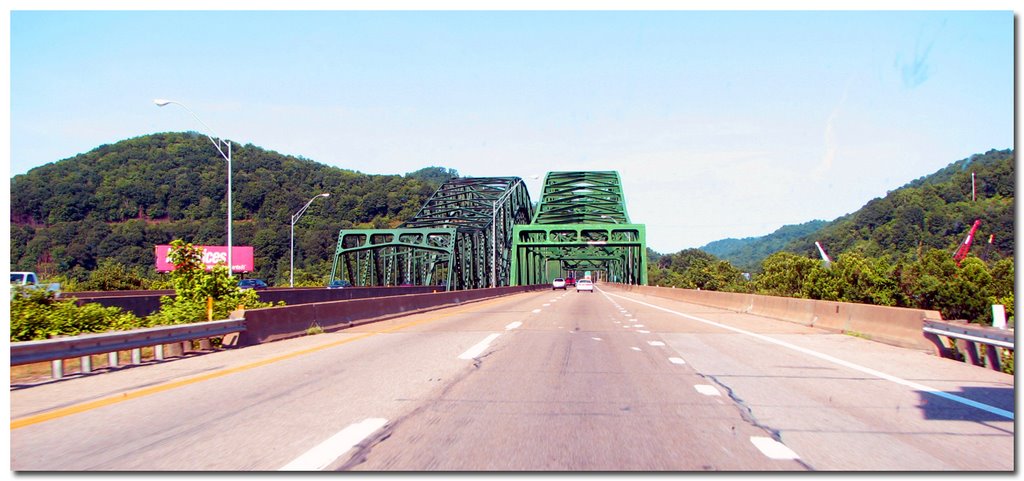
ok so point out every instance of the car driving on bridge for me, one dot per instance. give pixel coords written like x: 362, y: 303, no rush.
x: 585, y: 285
x: 558, y: 283
x: 252, y: 284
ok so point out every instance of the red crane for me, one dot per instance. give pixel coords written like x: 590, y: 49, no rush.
x: 965, y: 247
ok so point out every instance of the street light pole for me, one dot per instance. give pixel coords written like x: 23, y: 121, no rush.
x: 219, y: 144
x: 295, y: 218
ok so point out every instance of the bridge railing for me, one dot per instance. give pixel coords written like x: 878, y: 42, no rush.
x: 85, y: 346
x: 254, y: 326
x: 969, y: 338
x: 904, y: 327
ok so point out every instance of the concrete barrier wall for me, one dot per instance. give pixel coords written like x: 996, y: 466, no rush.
x: 276, y: 323
x: 891, y: 325
x: 144, y: 303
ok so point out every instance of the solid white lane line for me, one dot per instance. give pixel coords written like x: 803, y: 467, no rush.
x: 676, y: 360
x: 479, y: 348
x: 656, y: 343
x: 513, y: 325
x: 772, y: 448
x: 825, y: 357
x: 707, y: 390
x: 327, y: 452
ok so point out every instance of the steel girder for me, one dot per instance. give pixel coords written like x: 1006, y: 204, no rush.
x: 460, y: 238
x: 580, y: 225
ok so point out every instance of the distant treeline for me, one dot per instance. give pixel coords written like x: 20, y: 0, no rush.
x: 895, y: 251
x: 117, y: 201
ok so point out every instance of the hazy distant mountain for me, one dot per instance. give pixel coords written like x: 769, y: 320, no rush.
x: 748, y: 252
x: 934, y: 211
x: 117, y: 201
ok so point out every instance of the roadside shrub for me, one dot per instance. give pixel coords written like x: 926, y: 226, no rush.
x: 37, y: 315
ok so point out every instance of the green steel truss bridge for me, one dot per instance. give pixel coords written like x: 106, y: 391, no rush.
x: 580, y: 226
x: 478, y: 232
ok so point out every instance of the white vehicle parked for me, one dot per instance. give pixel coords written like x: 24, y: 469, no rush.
x: 30, y: 280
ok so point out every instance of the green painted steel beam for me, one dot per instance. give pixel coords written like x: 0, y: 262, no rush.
x: 582, y: 198
x: 473, y: 215
x: 581, y: 223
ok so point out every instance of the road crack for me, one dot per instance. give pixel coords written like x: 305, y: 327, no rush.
x: 748, y: 415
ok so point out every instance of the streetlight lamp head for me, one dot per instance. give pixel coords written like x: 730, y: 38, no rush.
x: 161, y: 102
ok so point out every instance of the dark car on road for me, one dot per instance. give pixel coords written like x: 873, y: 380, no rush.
x: 339, y: 284
x: 252, y: 284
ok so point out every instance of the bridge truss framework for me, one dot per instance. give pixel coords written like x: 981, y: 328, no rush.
x: 478, y: 232
x: 580, y: 225
x: 461, y: 239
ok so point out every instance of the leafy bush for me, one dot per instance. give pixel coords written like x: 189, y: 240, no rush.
x: 193, y: 285
x: 37, y: 314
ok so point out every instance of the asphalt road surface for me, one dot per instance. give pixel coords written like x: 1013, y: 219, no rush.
x: 541, y: 381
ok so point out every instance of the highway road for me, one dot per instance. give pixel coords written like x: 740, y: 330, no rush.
x: 539, y: 381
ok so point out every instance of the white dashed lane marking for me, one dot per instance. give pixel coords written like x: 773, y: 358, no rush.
x: 479, y: 347
x: 513, y: 325
x: 676, y: 360
x: 772, y: 448
x: 707, y: 390
x: 656, y: 343
x: 327, y: 452
x: 834, y: 360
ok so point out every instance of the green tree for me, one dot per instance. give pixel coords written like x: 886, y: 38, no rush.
x: 784, y: 274
x: 194, y: 286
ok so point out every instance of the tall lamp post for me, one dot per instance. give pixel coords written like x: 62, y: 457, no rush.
x: 295, y: 218
x: 224, y: 149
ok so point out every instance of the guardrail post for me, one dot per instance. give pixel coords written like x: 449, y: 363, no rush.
x: 158, y: 352
x: 57, y: 369
x: 204, y: 344
x: 992, y: 353
x: 86, y: 364
x: 112, y: 359
x: 943, y: 350
x: 971, y: 350
x: 137, y: 356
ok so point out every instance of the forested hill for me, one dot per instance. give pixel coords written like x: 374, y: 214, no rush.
x: 935, y: 211
x: 748, y: 252
x: 118, y: 201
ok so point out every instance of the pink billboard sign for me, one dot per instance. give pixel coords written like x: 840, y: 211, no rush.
x: 241, y: 257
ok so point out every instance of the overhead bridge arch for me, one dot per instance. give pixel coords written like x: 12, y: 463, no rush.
x: 581, y: 225
x: 478, y: 232
x: 460, y: 239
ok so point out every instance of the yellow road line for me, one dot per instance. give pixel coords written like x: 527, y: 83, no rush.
x: 88, y: 406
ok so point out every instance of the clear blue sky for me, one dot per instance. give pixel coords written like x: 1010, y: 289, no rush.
x: 721, y: 124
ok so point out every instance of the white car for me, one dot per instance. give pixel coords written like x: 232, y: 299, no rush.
x: 558, y: 283
x: 585, y: 285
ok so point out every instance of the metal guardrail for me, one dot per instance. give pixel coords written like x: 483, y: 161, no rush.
x: 971, y: 332
x: 967, y: 336
x: 83, y: 346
